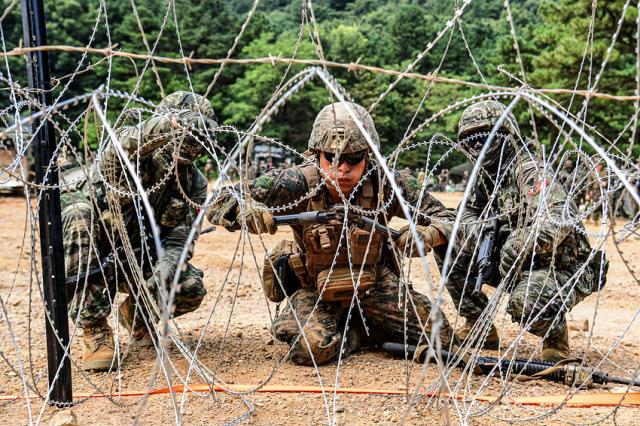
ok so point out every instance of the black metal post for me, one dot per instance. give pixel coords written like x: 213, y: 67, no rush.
x: 35, y: 35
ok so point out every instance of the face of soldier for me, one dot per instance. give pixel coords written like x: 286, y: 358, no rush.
x: 346, y: 171
x: 474, y: 142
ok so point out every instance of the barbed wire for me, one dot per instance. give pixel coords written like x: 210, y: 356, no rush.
x: 129, y: 189
x: 275, y: 60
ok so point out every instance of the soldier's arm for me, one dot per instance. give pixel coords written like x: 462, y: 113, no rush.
x: 177, y: 237
x: 276, y: 188
x: 147, y: 136
x: 471, y: 224
x: 430, y: 210
x: 550, y: 209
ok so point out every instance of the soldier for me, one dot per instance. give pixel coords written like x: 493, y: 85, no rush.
x: 443, y: 180
x: 103, y: 208
x: 542, y: 260
x: 319, y: 285
x: 208, y: 169
x: 566, y: 175
x: 596, y: 193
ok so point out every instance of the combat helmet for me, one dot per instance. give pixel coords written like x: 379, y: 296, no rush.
x: 188, y: 100
x: 181, y: 100
x: 334, y: 130
x: 482, y: 116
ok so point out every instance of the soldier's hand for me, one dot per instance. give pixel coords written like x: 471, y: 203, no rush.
x: 197, y: 123
x: 514, y: 251
x: 258, y: 218
x: 223, y: 212
x: 429, y: 236
x: 162, y: 274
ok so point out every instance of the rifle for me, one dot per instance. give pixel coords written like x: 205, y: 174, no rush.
x: 567, y: 372
x: 107, y: 267
x: 485, y: 260
x: 108, y: 263
x: 333, y: 215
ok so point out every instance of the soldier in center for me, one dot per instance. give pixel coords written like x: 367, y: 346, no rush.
x: 319, y: 262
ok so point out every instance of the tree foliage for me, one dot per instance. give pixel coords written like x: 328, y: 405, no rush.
x: 553, y: 37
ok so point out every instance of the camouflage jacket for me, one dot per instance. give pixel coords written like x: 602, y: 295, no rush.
x: 278, y: 188
x: 529, y: 201
x: 150, y: 152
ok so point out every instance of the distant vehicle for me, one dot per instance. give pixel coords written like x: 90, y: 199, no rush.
x: 266, y: 157
x: 269, y: 154
x: 11, y: 166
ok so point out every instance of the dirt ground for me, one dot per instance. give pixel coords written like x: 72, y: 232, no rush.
x: 238, y: 347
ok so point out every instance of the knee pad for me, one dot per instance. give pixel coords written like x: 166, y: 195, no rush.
x: 324, y: 348
x: 524, y: 314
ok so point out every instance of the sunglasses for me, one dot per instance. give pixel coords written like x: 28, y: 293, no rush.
x: 351, y: 159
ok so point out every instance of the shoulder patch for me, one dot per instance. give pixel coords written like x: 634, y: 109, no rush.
x: 537, y: 187
x: 263, y: 182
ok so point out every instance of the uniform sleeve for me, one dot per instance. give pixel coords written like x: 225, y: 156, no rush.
x: 147, y: 136
x: 139, y: 140
x: 547, y: 200
x: 177, y: 237
x: 276, y: 188
x: 472, y: 226
x: 430, y: 210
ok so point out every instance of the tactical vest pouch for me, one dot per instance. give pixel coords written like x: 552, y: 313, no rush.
x: 287, y: 266
x: 365, y: 248
x: 340, y: 285
x: 321, y: 246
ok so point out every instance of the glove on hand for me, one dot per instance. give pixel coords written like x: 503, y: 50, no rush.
x: 223, y: 213
x: 162, y: 274
x: 197, y: 123
x: 515, y: 249
x: 428, y: 234
x: 258, y: 218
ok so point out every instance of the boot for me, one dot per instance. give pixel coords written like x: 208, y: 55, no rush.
x: 556, y: 348
x: 492, y: 341
x: 98, y: 347
x: 138, y: 333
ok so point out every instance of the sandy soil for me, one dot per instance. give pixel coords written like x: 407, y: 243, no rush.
x: 237, y: 345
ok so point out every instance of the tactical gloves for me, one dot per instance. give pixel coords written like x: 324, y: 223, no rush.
x: 428, y: 234
x: 515, y: 250
x: 198, y: 123
x: 258, y: 218
x: 162, y: 274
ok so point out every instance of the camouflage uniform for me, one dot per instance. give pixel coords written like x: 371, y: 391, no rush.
x: 539, y: 294
x: 388, y: 310
x: 89, y: 210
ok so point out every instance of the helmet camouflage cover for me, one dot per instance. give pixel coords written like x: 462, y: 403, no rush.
x: 482, y: 116
x: 190, y: 147
x: 190, y: 101
x: 334, y: 129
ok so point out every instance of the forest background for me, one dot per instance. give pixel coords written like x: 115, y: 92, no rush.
x: 552, y: 37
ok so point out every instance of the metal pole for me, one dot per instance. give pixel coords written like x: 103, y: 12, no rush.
x: 55, y: 297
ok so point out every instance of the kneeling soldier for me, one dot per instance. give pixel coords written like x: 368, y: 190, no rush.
x: 327, y: 261
x: 541, y: 253
x: 103, y: 215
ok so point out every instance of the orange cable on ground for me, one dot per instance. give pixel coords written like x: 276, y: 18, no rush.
x: 631, y: 399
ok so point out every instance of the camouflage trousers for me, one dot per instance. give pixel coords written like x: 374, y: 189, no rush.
x: 85, y: 244
x: 539, y: 299
x: 389, y: 316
